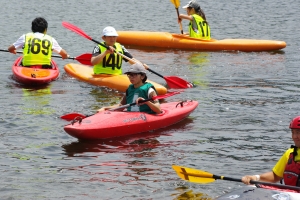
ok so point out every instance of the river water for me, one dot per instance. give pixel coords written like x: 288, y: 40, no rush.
x: 246, y: 101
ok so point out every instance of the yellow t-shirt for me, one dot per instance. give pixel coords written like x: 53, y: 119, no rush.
x: 279, y: 168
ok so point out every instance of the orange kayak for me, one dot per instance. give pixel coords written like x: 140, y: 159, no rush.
x: 117, y: 82
x: 34, y: 75
x: 179, y: 41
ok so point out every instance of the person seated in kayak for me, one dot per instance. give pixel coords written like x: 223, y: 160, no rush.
x: 106, y: 61
x: 137, y: 91
x: 198, y: 26
x: 37, y: 45
x: 288, y: 166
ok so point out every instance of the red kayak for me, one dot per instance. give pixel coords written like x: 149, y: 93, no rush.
x: 111, y: 124
x: 34, y: 75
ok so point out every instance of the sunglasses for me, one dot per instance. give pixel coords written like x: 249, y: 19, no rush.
x: 132, y: 74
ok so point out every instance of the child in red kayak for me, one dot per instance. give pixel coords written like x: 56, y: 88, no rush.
x: 287, y: 168
x: 198, y: 26
x: 138, y: 90
x: 37, y: 45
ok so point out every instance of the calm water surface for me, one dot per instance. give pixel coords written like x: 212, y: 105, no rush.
x: 240, y: 127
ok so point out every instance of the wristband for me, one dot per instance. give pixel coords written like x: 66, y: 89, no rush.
x: 257, y: 177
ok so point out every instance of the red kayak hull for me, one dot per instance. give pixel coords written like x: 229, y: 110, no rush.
x: 34, y: 75
x: 111, y: 124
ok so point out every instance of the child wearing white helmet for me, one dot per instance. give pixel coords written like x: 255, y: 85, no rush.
x: 106, y: 60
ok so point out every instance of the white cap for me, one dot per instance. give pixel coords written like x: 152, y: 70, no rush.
x: 109, y: 31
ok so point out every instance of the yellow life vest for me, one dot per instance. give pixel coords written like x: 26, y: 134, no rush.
x: 203, y: 30
x: 111, y: 63
x: 37, y: 51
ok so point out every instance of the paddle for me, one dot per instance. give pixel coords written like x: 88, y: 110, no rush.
x: 71, y: 116
x: 83, y: 58
x: 177, y: 4
x: 171, y: 81
x: 198, y: 176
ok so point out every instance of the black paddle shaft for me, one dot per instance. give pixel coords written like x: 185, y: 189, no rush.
x: 258, y: 182
x: 108, y: 47
x: 128, y: 105
x: 55, y: 56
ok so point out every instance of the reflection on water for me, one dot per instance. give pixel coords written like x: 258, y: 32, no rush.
x: 105, y: 97
x: 36, y: 100
x: 124, y: 144
x: 198, y: 62
x: 190, y: 194
x: 190, y: 66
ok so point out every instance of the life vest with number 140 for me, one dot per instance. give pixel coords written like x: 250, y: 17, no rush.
x: 111, y: 63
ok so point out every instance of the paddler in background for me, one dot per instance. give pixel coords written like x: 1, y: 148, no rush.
x: 138, y: 90
x: 106, y: 61
x: 198, y: 26
x: 37, y: 45
x: 288, y: 166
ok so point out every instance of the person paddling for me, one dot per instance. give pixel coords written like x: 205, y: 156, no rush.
x: 37, y: 45
x: 288, y: 166
x: 137, y: 91
x: 198, y: 26
x: 106, y: 61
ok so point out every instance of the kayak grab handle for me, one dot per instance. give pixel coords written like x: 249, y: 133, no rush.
x: 76, y: 119
x: 181, y: 103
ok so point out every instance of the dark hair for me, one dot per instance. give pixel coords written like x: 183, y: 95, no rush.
x: 145, y: 78
x: 201, y: 13
x: 197, y: 9
x: 39, y: 24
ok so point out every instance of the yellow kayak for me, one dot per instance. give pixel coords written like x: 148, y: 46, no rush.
x: 117, y: 82
x: 179, y: 41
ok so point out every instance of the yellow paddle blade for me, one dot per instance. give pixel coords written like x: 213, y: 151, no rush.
x: 193, y: 175
x: 176, y: 3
